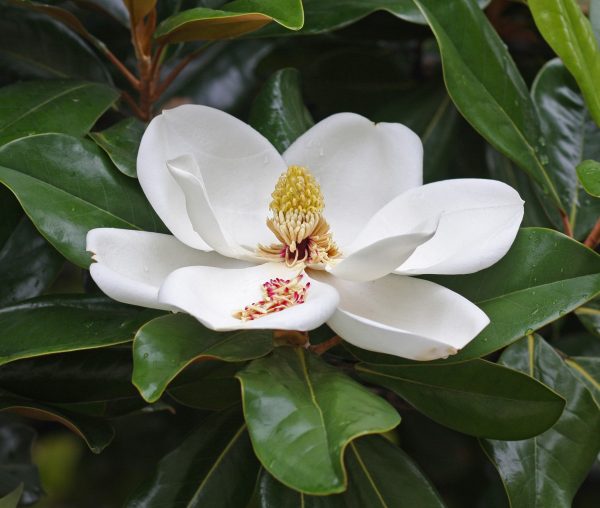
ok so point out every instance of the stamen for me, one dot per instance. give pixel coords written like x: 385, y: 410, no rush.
x: 297, y: 221
x: 278, y: 294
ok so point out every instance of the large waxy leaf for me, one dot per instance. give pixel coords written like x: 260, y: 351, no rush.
x: 302, y: 413
x: 165, y: 346
x: 571, y: 137
x: 477, y: 397
x: 278, y: 112
x: 36, y: 107
x: 548, y: 469
x: 492, y: 97
x: 587, y: 369
x: 232, y: 20
x: 28, y: 264
x: 588, y: 173
x: 121, y: 143
x: 16, y: 468
x: 49, y: 325
x: 527, y: 289
x: 328, y: 15
x: 97, y: 433
x: 45, y: 49
x: 379, y: 475
x: 589, y: 315
x: 10, y: 215
x: 214, y: 466
x: 570, y: 35
x: 12, y: 500
x: 68, y: 186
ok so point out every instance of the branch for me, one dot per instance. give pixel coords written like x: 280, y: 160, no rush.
x: 177, y: 70
x: 319, y: 349
x: 568, y: 230
x: 593, y: 238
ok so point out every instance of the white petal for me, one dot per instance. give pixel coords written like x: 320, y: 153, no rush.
x: 212, y: 295
x: 239, y: 168
x: 478, y: 221
x: 360, y: 166
x: 404, y: 316
x: 131, y: 265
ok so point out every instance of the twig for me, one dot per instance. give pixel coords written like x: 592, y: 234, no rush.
x: 122, y: 69
x: 177, y: 70
x: 133, y: 105
x: 593, y: 238
x: 568, y: 230
x: 319, y: 349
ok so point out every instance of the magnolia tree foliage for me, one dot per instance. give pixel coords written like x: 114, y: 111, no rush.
x: 276, y: 253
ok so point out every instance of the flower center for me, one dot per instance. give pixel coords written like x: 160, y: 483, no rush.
x: 278, y: 294
x: 297, y: 221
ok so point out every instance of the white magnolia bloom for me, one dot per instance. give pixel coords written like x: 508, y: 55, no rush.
x: 329, y: 232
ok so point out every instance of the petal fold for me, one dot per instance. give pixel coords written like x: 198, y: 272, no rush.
x: 131, y: 265
x: 213, y: 295
x: 360, y: 166
x: 404, y: 316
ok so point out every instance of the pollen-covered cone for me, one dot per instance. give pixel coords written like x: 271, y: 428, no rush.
x: 330, y: 231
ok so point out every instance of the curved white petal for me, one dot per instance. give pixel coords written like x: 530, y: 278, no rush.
x: 477, y: 223
x: 404, y: 316
x: 379, y: 258
x: 239, y: 168
x: 212, y: 295
x: 360, y: 166
x: 131, y: 265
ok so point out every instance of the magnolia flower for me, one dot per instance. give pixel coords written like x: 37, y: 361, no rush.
x: 329, y: 232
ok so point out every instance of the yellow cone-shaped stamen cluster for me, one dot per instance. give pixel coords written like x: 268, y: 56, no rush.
x: 297, y: 221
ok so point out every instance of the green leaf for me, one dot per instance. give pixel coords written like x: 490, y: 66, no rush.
x: 28, y: 264
x: 571, y: 137
x: 379, y: 475
x: 12, y: 499
x: 477, y: 397
x: 569, y: 33
x: 17, y: 468
x: 323, y: 16
x: 121, y: 143
x: 587, y: 369
x: 68, y: 186
x: 210, y: 384
x: 548, y: 469
x: 37, y: 107
x: 10, y: 215
x: 527, y: 289
x: 234, y: 19
x: 46, y: 49
x: 595, y: 18
x: 165, y: 346
x: 302, y: 414
x: 589, y: 315
x: 49, y: 325
x: 214, y: 466
x: 278, y: 112
x: 589, y: 176
x: 97, y: 433
x: 492, y: 97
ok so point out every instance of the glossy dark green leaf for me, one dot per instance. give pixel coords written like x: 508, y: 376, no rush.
x: 12, y: 500
x: 569, y: 33
x: 165, y: 346
x: 68, y: 186
x: 548, y: 469
x: 210, y: 384
x: 527, y: 289
x: 302, y: 414
x: 589, y: 315
x: 588, y: 173
x: 278, y: 112
x: 214, y: 466
x: 587, y: 369
x: 28, y: 264
x: 16, y: 466
x: 327, y: 15
x: 97, y: 433
x: 49, y: 325
x: 232, y: 20
x: 571, y: 137
x: 121, y: 143
x: 492, y: 97
x: 46, y: 49
x: 10, y: 214
x: 37, y: 107
x: 477, y: 397
x: 379, y: 475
